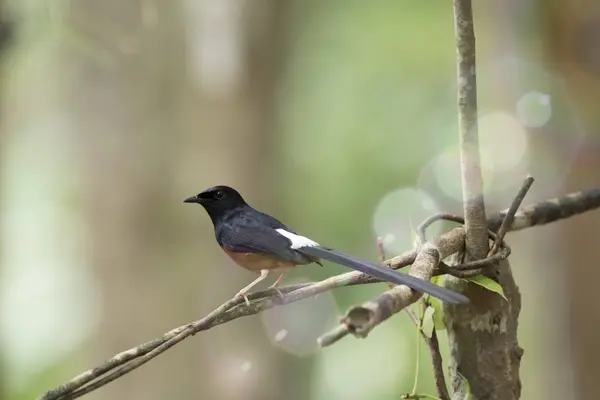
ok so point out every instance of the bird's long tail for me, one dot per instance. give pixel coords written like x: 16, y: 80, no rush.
x: 386, y: 274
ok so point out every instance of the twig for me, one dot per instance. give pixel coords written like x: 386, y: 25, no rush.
x: 380, y: 250
x: 550, y: 210
x: 470, y: 159
x: 448, y: 243
x: 333, y: 335
x: 510, y: 214
x: 419, y: 326
x: 418, y: 396
x: 422, y: 228
x: 412, y: 316
x: 444, y: 268
x: 381, y: 253
x: 502, y: 254
x: 438, y: 367
x: 471, y: 268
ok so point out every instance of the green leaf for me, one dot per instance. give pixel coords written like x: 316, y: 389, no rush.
x: 488, y: 283
x: 428, y: 324
x: 438, y: 315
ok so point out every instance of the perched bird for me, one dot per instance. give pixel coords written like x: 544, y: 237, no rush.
x: 260, y: 243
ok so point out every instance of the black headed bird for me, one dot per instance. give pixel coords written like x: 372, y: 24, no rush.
x: 260, y: 243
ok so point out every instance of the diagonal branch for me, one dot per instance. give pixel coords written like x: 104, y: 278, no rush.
x: 510, y: 213
x: 452, y: 241
x: 550, y: 210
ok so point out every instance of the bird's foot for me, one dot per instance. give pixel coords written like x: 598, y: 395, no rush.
x: 279, y: 292
x: 243, y: 295
x: 277, y: 282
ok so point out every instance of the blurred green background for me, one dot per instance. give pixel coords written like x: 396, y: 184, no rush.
x: 337, y: 116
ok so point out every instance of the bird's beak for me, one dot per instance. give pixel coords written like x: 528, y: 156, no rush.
x: 193, y: 199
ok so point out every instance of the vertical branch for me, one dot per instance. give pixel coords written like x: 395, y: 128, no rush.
x: 472, y: 182
x: 482, y: 337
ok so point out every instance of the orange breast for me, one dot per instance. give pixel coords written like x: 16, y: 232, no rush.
x: 256, y: 262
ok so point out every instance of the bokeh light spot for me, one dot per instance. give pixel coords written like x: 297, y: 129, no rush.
x: 236, y: 372
x: 534, y: 109
x: 296, y: 327
x: 246, y: 366
x: 398, y: 214
x: 281, y: 335
x: 446, y: 170
x: 503, y: 142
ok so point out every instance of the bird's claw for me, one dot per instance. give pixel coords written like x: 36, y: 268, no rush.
x: 279, y: 292
x: 274, y: 287
x: 243, y: 295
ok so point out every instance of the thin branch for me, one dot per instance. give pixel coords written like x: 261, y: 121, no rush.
x: 494, y: 259
x: 510, y: 214
x: 381, y: 254
x: 422, y: 228
x: 438, y: 367
x: 412, y: 316
x: 550, y: 210
x: 333, y: 335
x: 448, y: 243
x: 419, y: 331
x: 380, y: 250
x: 436, y: 357
x: 470, y: 159
x: 444, y: 268
x: 418, y: 396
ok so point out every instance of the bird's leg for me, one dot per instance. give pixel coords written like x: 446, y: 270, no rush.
x: 263, y: 275
x: 278, y: 281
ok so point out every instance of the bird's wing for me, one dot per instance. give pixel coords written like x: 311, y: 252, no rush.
x: 258, y: 238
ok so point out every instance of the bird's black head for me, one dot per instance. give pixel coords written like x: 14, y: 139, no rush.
x: 217, y: 200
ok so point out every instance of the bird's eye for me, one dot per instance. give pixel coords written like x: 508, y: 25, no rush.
x: 219, y: 195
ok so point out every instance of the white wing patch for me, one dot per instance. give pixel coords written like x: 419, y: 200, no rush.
x: 298, y: 241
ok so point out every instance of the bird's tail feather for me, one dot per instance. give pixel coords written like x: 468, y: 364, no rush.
x: 386, y: 274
